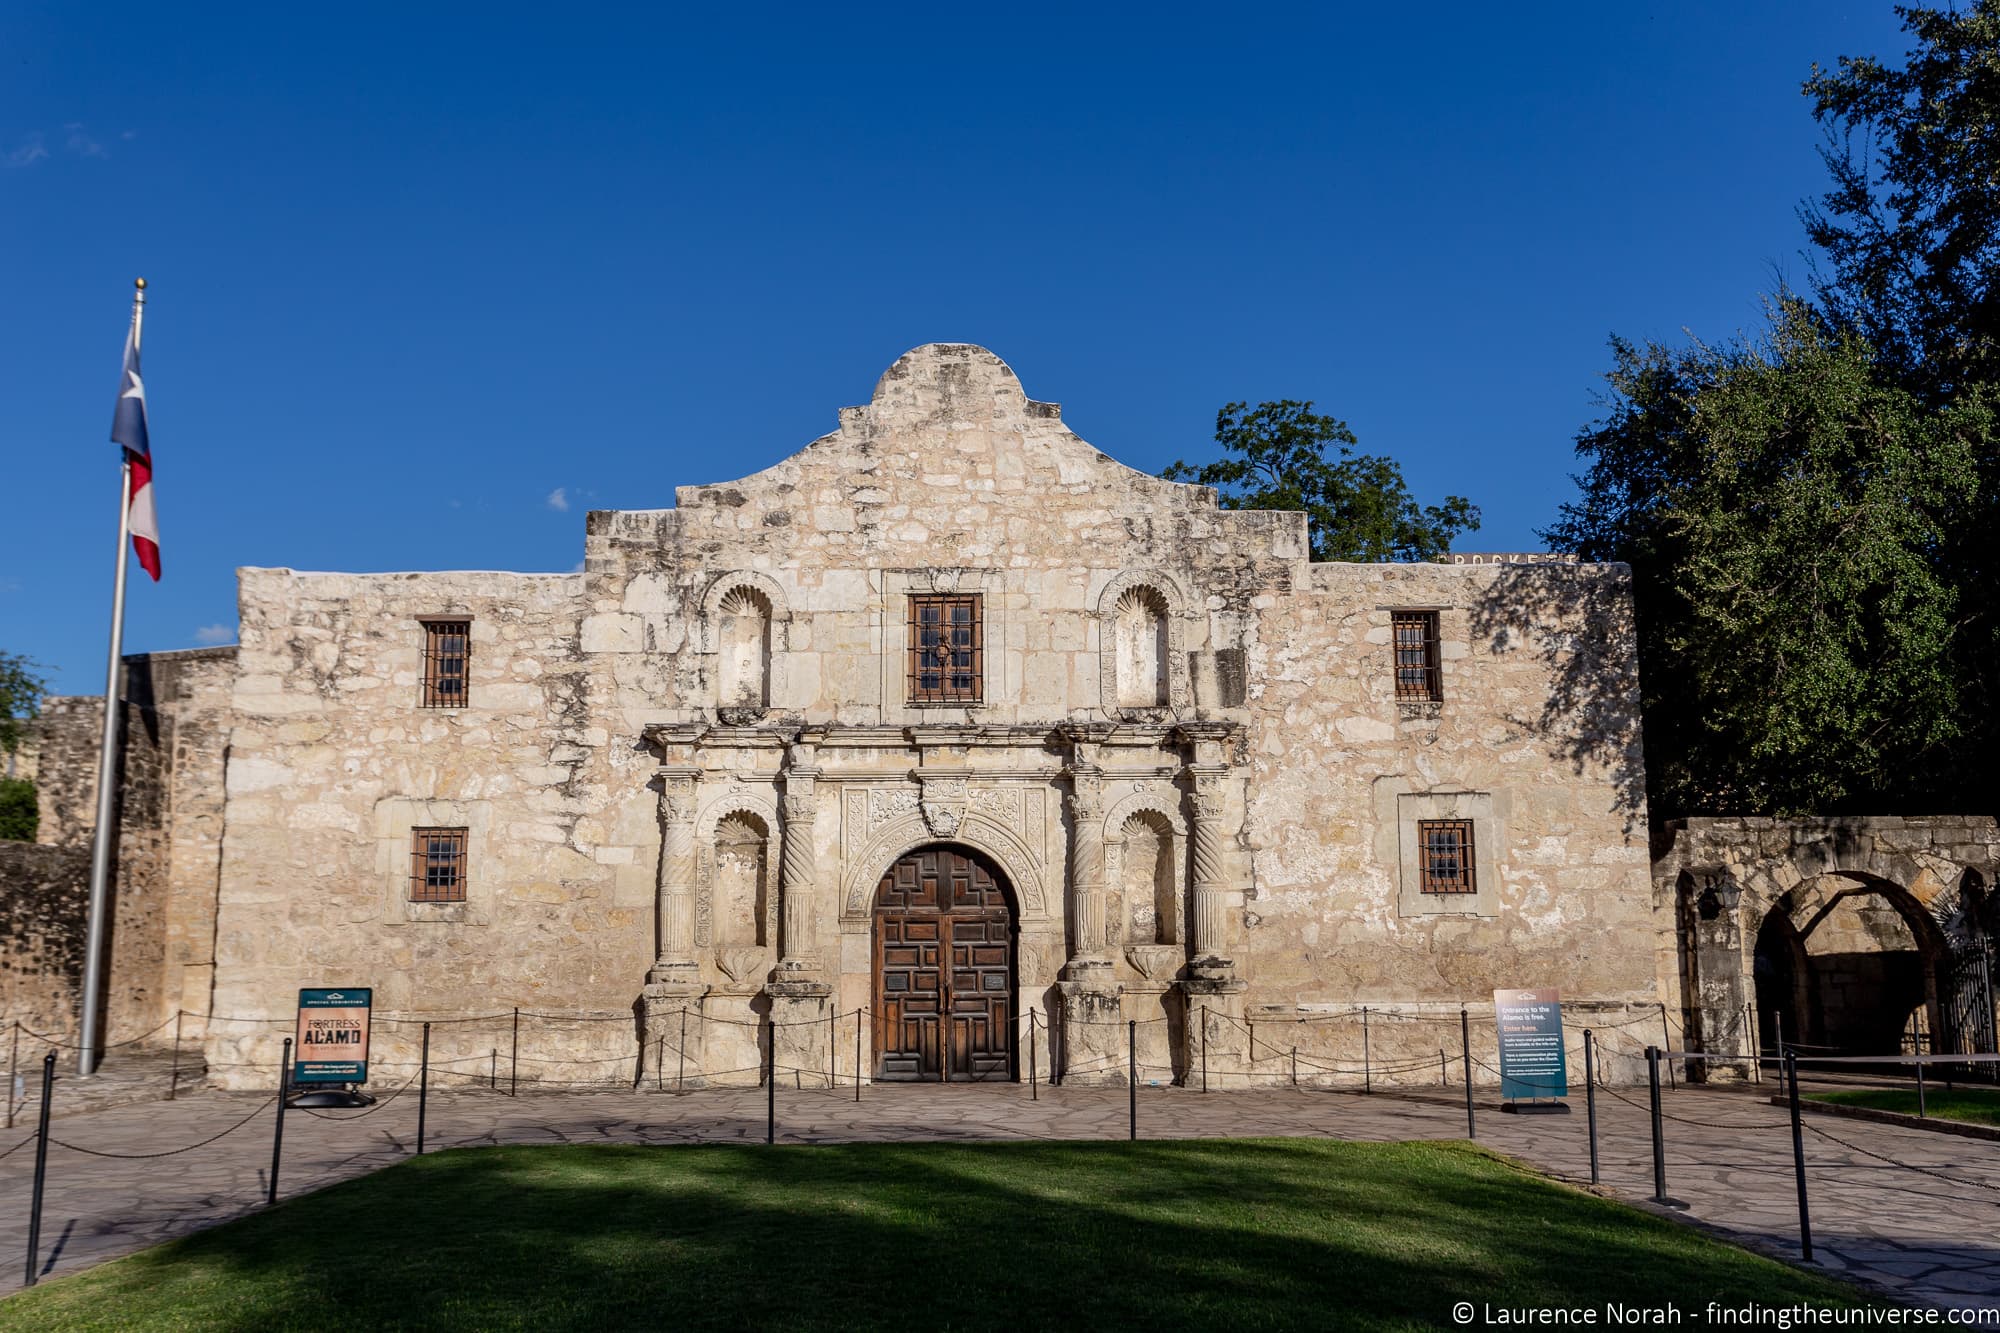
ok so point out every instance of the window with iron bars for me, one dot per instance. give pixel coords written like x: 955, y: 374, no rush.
x: 1444, y: 850
x: 947, y: 649
x: 437, y: 865
x: 1418, y: 679
x: 447, y: 655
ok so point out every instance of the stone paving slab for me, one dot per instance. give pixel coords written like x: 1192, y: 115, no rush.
x: 1928, y: 1238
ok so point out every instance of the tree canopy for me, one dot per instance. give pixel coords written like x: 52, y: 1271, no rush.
x: 21, y: 690
x: 1781, y: 505
x: 1911, y: 223
x: 1283, y: 455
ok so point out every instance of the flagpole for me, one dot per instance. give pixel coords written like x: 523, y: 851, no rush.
x: 103, y: 840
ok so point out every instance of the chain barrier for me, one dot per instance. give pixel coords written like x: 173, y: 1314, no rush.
x: 171, y: 1152
x: 1891, y: 1161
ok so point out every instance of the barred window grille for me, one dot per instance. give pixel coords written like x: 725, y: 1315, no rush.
x: 1444, y: 847
x: 447, y: 652
x: 1417, y: 676
x: 947, y: 649
x: 437, y: 865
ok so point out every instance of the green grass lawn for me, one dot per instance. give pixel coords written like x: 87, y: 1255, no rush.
x: 1289, y: 1233
x: 1981, y: 1106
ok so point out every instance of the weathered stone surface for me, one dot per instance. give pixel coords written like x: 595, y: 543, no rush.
x: 1189, y: 763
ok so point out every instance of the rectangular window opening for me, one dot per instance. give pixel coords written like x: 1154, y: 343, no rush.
x: 1418, y: 679
x: 1444, y: 848
x: 947, y: 649
x: 447, y: 653
x: 437, y: 865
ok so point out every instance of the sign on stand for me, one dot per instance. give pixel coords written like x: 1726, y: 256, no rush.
x: 332, y: 1042
x: 1533, y: 1068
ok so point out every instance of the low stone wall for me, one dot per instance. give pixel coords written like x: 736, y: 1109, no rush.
x: 44, y: 897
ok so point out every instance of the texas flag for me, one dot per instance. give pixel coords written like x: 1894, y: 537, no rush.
x: 128, y: 427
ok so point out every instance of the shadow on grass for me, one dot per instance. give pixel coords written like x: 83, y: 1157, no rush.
x: 1248, y: 1234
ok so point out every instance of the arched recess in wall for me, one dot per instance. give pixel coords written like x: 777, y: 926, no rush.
x: 1142, y: 646
x: 736, y: 878
x: 1145, y: 865
x: 745, y: 627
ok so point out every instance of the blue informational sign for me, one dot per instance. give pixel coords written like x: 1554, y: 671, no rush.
x: 1532, y: 1063
x: 332, y: 1042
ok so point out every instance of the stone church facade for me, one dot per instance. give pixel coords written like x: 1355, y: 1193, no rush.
x: 946, y: 730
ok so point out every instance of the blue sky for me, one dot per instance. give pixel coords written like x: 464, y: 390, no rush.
x: 430, y: 282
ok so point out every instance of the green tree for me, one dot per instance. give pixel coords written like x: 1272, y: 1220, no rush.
x: 1911, y: 225
x: 21, y: 690
x: 1782, y: 506
x: 20, y: 813
x: 1283, y: 455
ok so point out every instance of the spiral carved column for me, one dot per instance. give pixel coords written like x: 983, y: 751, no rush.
x: 1207, y: 856
x: 797, y: 873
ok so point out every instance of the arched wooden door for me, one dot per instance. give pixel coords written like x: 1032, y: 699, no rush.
x: 944, y: 970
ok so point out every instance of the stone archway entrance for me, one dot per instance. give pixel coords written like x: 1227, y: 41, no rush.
x: 944, y: 935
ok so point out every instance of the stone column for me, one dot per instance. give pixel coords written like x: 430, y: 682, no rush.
x: 1093, y: 1030
x: 1206, y: 852
x: 1086, y: 868
x: 1719, y: 989
x: 674, y: 917
x: 799, y: 864
x: 799, y: 998
x: 673, y: 983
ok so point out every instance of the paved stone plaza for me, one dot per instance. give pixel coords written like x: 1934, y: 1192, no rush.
x: 1926, y: 1237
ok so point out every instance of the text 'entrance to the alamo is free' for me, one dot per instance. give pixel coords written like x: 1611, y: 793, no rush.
x: 944, y: 969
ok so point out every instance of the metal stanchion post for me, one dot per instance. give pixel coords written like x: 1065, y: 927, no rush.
x: 857, y: 1051
x: 423, y: 1088
x: 1756, y: 1043
x: 1465, y: 1037
x: 1799, y: 1158
x: 1295, y: 1067
x: 1367, y: 1069
x: 681, y: 1068
x: 1132, y: 1075
x: 514, y: 1060
x: 1444, y: 1079
x: 41, y: 1165
x: 1922, y: 1110
x: 1590, y: 1096
x: 13, y: 1078
x: 1778, y: 1034
x: 1204, y: 1048
x: 493, y: 1071
x: 832, y: 1044
x: 173, y: 1074
x: 1667, y: 1042
x: 1034, y: 1088
x: 278, y: 1124
x: 771, y: 1086
x: 660, y: 1064
x: 1659, y: 1135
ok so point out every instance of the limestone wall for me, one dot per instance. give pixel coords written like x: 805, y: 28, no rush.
x: 333, y: 762
x: 172, y: 740
x: 43, y: 896
x: 1145, y: 652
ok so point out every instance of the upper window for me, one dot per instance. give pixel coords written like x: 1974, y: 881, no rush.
x: 447, y: 652
x: 437, y: 865
x: 1417, y: 676
x: 946, y: 649
x: 1444, y: 850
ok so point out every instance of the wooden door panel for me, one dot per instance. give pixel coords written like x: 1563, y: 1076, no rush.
x: 944, y: 967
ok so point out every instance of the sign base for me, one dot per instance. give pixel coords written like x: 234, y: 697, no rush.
x: 1535, y: 1108
x: 334, y: 1097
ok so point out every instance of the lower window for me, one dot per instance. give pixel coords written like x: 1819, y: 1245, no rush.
x: 437, y: 865
x: 1444, y: 851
